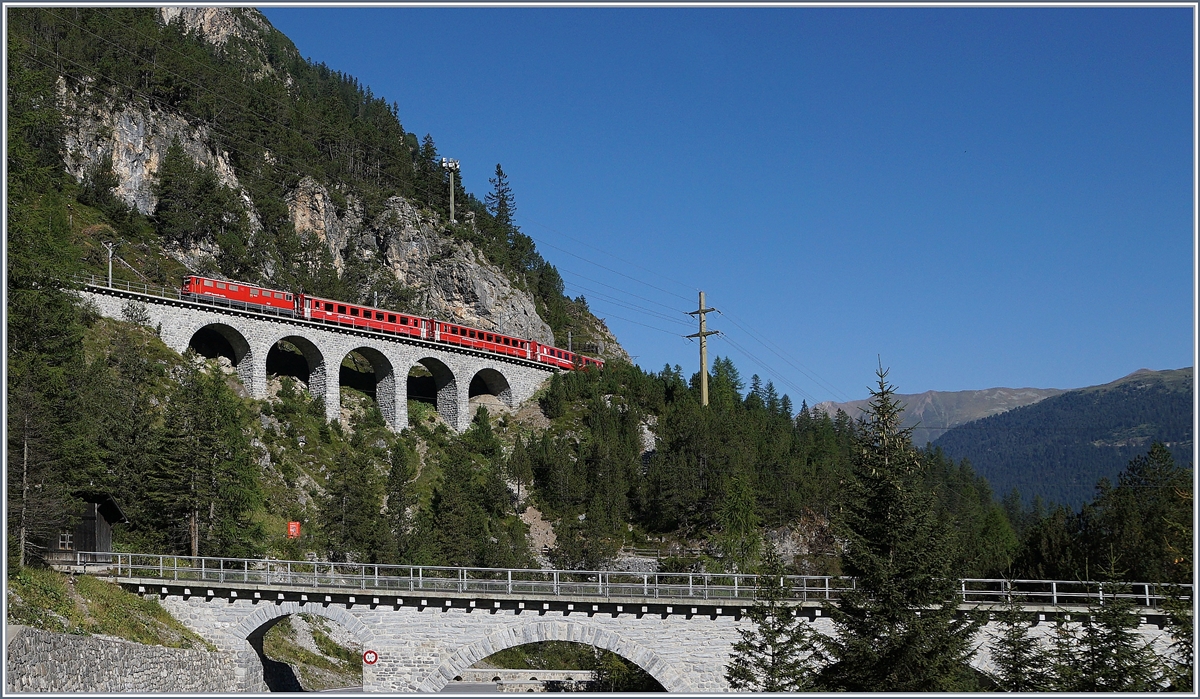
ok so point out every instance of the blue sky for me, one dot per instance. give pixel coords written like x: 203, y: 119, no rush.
x: 980, y: 197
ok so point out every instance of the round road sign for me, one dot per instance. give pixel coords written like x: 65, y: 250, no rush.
x: 370, y: 656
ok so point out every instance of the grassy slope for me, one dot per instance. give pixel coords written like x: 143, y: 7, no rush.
x: 85, y: 605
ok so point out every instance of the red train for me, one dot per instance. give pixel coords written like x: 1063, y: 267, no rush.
x: 252, y: 297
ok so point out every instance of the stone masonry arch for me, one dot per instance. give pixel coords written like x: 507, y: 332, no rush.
x: 314, y: 357
x: 446, y: 386
x: 266, y: 615
x: 253, y: 628
x: 244, y: 358
x: 666, y: 674
x: 490, y: 381
x: 385, y: 380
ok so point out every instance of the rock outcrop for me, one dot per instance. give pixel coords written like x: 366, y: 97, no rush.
x: 451, y: 278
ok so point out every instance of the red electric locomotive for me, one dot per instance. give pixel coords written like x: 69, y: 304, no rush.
x: 382, y: 320
x: 240, y: 293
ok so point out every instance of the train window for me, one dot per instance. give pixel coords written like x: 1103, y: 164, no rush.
x: 378, y: 315
x: 277, y: 295
x: 289, y: 297
x: 254, y: 292
x: 353, y: 311
x: 403, y: 320
x: 391, y: 318
x: 207, y: 282
x: 491, y: 337
x: 471, y: 333
x: 341, y: 309
x: 233, y: 287
x: 507, y: 341
x: 220, y: 285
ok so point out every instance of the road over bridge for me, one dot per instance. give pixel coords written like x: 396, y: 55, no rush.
x: 429, y: 624
x: 250, y: 339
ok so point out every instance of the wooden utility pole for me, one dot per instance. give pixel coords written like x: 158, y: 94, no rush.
x: 703, y: 335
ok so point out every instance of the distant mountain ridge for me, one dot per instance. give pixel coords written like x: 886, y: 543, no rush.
x: 932, y: 413
x: 1059, y: 447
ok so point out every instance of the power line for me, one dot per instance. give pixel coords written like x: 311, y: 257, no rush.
x: 657, y: 273
x: 763, y: 365
x: 778, y: 353
x: 618, y: 289
x: 610, y: 269
x: 626, y: 304
x: 366, y: 150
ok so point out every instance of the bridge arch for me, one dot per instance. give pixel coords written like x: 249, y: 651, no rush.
x: 667, y: 675
x: 222, y: 340
x: 489, y: 381
x: 314, y: 361
x: 445, y: 389
x: 254, y: 627
x: 385, y: 380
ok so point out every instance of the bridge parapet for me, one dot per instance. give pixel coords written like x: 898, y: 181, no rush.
x: 428, y: 624
x: 395, y: 584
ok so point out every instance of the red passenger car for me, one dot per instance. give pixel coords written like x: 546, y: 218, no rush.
x: 353, y: 315
x: 481, y: 339
x: 331, y: 311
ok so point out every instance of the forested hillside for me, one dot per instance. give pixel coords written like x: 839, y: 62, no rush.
x: 1059, y: 448
x: 208, y: 144
x: 612, y: 460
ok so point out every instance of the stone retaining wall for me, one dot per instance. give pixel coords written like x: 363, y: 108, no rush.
x: 45, y: 661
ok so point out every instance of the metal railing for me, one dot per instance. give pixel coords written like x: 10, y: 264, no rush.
x: 716, y: 587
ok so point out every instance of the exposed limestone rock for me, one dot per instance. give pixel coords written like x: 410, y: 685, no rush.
x: 453, y: 280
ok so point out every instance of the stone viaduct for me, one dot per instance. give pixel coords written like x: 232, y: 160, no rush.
x: 425, y: 640
x: 457, y: 373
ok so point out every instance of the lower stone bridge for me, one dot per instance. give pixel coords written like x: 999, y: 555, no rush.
x: 251, y: 340
x: 425, y: 626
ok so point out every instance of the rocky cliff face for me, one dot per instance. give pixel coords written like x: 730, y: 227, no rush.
x: 452, y: 278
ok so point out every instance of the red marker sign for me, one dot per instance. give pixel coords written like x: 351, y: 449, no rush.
x: 370, y: 656
x: 293, y: 531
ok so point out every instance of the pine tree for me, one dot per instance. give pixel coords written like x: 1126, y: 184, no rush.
x: 778, y: 654
x: 739, y: 540
x: 400, y: 499
x: 1103, y: 652
x: 499, y: 201
x: 350, y: 517
x: 1022, y: 664
x: 898, y: 629
x: 206, y: 482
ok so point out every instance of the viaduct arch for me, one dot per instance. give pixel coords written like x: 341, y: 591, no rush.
x: 457, y: 373
x: 576, y: 632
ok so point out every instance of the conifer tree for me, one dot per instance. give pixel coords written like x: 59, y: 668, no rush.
x: 499, y: 201
x: 778, y: 654
x: 1103, y: 652
x: 739, y: 539
x: 898, y: 629
x: 400, y: 498
x: 1022, y: 664
x: 350, y: 517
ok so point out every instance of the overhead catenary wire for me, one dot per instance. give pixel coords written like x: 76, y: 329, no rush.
x: 780, y: 354
x: 625, y: 304
x: 766, y: 368
x: 367, y: 149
